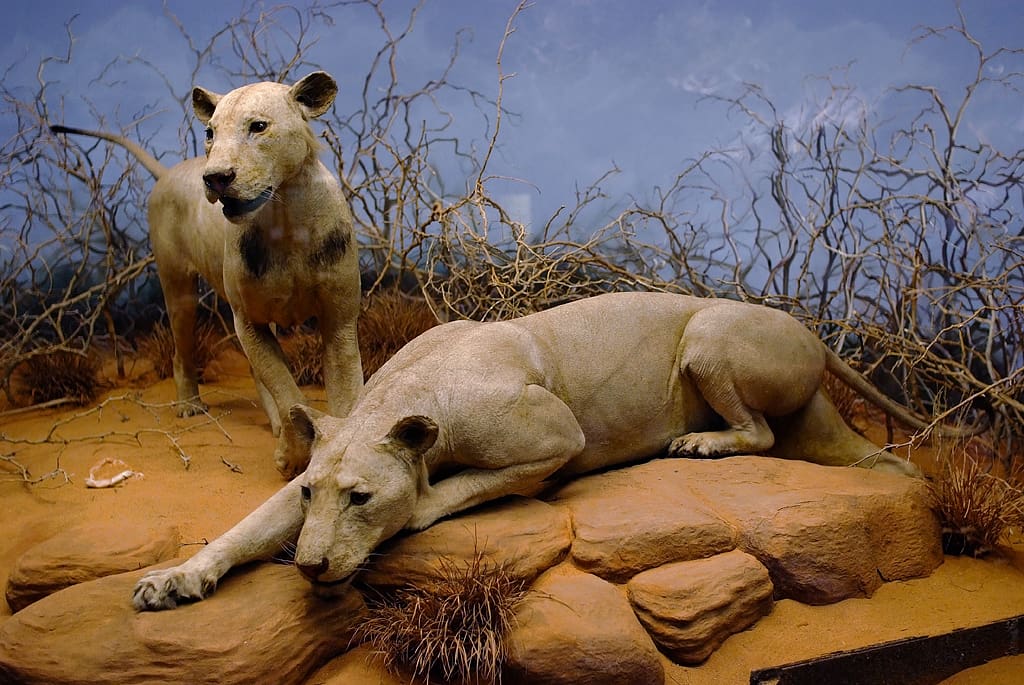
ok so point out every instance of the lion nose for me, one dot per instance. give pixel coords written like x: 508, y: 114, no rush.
x: 313, y: 571
x: 218, y: 181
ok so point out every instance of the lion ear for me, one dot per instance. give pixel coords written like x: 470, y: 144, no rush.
x: 301, y: 430
x: 416, y: 434
x: 315, y: 93
x: 204, y: 102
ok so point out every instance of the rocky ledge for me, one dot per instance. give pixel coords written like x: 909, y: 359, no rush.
x: 663, y: 559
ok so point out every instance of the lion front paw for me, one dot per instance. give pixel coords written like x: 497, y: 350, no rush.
x: 289, y: 462
x: 166, y: 588
x: 428, y: 511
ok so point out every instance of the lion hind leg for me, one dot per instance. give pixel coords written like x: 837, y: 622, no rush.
x: 747, y: 432
x: 746, y: 362
x: 180, y: 296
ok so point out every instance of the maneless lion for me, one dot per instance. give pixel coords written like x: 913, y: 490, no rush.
x: 279, y: 247
x: 502, y: 406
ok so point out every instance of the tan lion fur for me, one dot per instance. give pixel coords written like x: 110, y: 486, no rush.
x: 266, y: 224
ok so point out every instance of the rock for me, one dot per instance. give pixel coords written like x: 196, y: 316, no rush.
x: 358, y: 665
x: 628, y: 521
x: 691, y: 607
x: 577, y: 629
x: 263, y: 625
x: 823, y: 533
x: 85, y: 553
x: 525, y: 535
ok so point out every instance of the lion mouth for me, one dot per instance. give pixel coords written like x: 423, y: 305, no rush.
x: 234, y: 207
x: 331, y: 588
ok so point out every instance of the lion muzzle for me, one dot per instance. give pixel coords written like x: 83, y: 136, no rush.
x: 313, y: 571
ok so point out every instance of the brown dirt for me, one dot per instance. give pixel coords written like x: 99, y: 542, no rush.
x: 137, y: 426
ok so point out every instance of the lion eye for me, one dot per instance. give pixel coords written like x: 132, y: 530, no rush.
x: 209, y: 133
x: 258, y: 127
x: 305, y: 492
x: 359, y: 498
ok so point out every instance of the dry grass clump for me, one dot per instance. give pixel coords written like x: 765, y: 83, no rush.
x: 158, y: 347
x: 305, y: 354
x: 975, y: 506
x: 452, y: 628
x: 388, y: 321
x: 59, y: 375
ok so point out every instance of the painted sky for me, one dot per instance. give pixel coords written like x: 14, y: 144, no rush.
x: 597, y: 82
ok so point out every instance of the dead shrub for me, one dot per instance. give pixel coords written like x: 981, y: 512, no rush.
x: 59, y: 375
x: 387, y: 322
x: 158, y: 347
x: 976, y: 507
x: 453, y: 628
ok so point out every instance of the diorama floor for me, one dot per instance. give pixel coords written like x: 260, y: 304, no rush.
x: 205, y: 473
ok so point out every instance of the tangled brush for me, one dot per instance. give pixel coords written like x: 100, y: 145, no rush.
x: 453, y: 628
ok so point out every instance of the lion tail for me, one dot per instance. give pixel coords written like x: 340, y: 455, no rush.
x: 147, y: 160
x: 848, y: 375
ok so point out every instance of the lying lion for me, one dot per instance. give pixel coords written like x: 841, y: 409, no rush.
x: 598, y: 382
x: 280, y: 248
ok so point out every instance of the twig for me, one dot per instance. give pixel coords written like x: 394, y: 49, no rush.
x: 59, y: 402
x: 233, y: 467
x: 52, y: 437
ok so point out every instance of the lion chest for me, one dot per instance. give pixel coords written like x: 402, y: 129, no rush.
x: 279, y: 300
x: 282, y: 278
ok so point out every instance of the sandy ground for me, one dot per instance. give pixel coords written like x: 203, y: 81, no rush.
x: 204, y: 473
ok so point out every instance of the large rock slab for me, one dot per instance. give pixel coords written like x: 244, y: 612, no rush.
x: 263, y: 625
x: 625, y: 522
x: 524, y: 535
x: 577, y: 629
x: 691, y: 607
x: 823, y: 533
x: 86, y: 553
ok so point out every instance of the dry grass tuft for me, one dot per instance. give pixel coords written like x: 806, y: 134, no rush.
x: 976, y: 507
x: 388, y: 321
x: 158, y: 347
x: 452, y: 628
x: 305, y: 353
x: 59, y: 375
